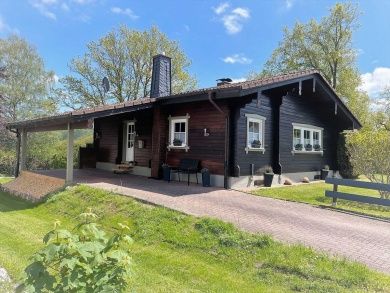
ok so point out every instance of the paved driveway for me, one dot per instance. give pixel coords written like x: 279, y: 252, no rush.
x: 358, y: 238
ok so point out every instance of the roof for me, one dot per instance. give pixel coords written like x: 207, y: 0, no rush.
x: 78, y: 116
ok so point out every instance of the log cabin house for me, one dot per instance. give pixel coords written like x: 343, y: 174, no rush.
x: 290, y: 122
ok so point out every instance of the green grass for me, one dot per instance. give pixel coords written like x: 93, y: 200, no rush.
x: 314, y: 194
x: 174, y: 252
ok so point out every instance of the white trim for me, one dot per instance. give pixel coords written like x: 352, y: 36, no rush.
x: 261, y: 121
x: 172, y: 121
x: 311, y: 129
x: 307, y: 126
x: 255, y: 116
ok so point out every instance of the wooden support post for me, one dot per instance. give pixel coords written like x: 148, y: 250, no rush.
x: 300, y: 87
x: 334, y: 200
x: 314, y: 85
x: 69, y: 155
x: 23, y: 150
x: 17, y: 153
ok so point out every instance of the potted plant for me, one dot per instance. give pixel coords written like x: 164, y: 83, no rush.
x: 166, y: 172
x: 205, y: 177
x: 298, y: 147
x: 324, y: 172
x: 177, y: 142
x: 308, y: 147
x: 256, y: 144
x: 268, y: 176
x: 317, y: 147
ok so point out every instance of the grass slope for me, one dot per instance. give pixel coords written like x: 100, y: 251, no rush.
x: 315, y: 194
x: 179, y: 253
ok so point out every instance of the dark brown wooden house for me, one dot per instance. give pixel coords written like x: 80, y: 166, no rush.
x: 290, y: 122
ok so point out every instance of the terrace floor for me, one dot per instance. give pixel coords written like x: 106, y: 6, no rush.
x: 355, y: 237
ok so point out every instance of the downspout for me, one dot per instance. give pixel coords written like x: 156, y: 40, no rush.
x: 17, y: 150
x: 227, y: 125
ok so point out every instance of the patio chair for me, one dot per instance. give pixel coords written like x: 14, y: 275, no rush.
x: 187, y: 166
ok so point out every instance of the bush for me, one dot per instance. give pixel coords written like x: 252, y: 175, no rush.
x: 84, y: 261
x: 370, y: 155
x: 343, y: 158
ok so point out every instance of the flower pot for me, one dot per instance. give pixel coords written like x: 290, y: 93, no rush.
x: 324, y: 173
x: 167, y: 173
x: 268, y: 177
x: 177, y: 143
x: 206, y: 178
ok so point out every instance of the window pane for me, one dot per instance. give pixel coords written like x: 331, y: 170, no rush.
x: 251, y: 126
x: 177, y: 127
x: 316, y: 137
x: 306, y: 135
x: 256, y: 127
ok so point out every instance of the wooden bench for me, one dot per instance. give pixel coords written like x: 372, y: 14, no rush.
x: 354, y: 197
x: 187, y: 166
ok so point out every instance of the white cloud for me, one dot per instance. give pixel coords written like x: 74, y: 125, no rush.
x: 232, y: 20
x: 124, y: 11
x: 288, y: 4
x: 375, y: 82
x: 44, y: 7
x: 237, y: 58
x: 240, y: 79
x: 50, y: 8
x: 6, y: 28
x: 221, y: 8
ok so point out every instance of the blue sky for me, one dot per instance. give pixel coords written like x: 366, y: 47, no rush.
x: 222, y: 38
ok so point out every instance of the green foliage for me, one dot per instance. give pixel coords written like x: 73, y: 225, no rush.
x: 125, y: 57
x: 24, y: 90
x: 345, y: 167
x: 82, y: 261
x: 381, y: 115
x: 370, y: 155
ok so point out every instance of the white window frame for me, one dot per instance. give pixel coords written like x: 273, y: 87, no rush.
x: 311, y: 129
x: 172, y: 121
x: 257, y: 119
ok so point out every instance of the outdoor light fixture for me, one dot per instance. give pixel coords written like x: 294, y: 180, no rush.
x: 205, y: 133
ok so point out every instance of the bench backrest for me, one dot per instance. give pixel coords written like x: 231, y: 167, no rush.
x: 188, y: 164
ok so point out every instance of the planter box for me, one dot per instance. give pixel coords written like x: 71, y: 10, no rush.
x: 268, y: 177
x: 167, y: 173
x: 324, y: 174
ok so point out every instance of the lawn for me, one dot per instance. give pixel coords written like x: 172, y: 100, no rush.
x: 174, y: 252
x: 314, y: 194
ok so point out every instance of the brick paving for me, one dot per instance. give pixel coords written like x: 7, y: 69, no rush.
x: 354, y: 237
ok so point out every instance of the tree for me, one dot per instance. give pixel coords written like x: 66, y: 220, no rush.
x: 369, y: 153
x: 26, y: 84
x: 326, y: 46
x: 24, y: 87
x: 125, y: 57
x: 382, y: 110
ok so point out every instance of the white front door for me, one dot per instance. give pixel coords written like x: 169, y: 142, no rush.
x: 130, y: 141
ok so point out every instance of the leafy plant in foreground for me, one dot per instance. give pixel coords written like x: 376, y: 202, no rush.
x: 84, y: 261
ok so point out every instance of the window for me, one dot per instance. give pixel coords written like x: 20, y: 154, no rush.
x: 255, y: 133
x: 178, y: 132
x: 307, y: 138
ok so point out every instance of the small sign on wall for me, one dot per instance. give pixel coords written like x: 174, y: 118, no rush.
x: 141, y: 144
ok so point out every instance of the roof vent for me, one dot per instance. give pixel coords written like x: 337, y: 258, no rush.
x: 223, y: 81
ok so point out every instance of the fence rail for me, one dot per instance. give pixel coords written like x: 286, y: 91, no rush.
x: 355, y: 197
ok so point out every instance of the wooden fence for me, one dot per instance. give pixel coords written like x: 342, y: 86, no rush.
x: 354, y: 197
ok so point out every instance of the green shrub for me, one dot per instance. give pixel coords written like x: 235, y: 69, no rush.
x: 343, y: 158
x: 83, y: 261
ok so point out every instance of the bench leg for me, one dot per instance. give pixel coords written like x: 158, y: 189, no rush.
x: 178, y: 175
x: 188, y: 180
x: 196, y: 174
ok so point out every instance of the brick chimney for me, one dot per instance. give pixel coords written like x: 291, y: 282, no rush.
x: 161, y: 76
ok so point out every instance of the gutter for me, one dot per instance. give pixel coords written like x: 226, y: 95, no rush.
x: 227, y: 142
